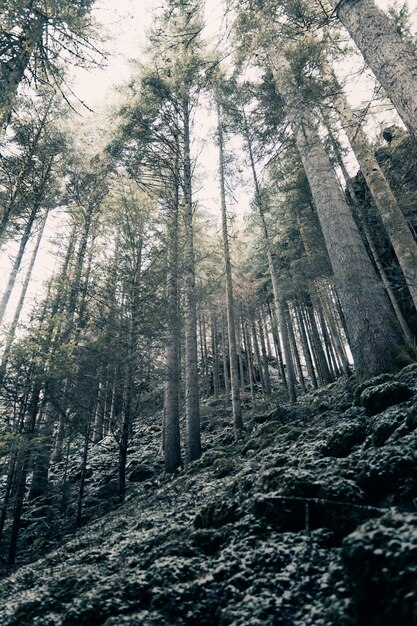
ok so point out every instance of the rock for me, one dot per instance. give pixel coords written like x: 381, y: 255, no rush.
x: 380, y: 563
x: 411, y: 419
x: 107, y: 491
x: 76, y: 476
x: 382, y: 426
x: 377, y: 398
x: 408, y: 375
x: 386, y: 472
x: 140, y: 473
x: 216, y: 513
x: 370, y: 382
x: 340, y: 443
x: 208, y: 541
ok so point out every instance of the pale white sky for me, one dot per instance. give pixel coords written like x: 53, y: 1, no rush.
x: 126, y: 23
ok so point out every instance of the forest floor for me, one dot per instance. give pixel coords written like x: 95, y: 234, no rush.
x: 310, y: 520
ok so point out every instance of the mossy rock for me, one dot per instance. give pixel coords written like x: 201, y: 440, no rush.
x: 344, y: 438
x: 389, y: 472
x: 295, y: 514
x: 207, y: 540
x: 383, y: 426
x: 380, y: 564
x: 408, y: 375
x: 411, y: 419
x: 140, y: 473
x: 370, y: 382
x: 224, y: 467
x: 377, y: 398
x: 216, y: 513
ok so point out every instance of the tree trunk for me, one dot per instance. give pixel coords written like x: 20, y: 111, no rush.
x: 171, y: 434
x: 294, y: 348
x: 374, y: 252
x: 12, y: 330
x: 192, y: 404
x: 282, y: 329
x: 306, y: 349
x: 373, y: 334
x: 392, y: 217
x: 231, y: 328
x: 22, y: 247
x: 391, y: 59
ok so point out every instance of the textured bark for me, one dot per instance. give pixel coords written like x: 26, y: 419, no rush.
x: 392, y: 217
x: 231, y: 327
x: 374, y: 252
x: 390, y: 57
x: 171, y: 430
x: 192, y: 404
x: 373, y: 334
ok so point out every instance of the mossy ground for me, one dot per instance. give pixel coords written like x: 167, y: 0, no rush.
x: 310, y: 520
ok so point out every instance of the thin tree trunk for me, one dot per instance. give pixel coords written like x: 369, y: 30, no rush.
x: 294, y: 348
x: 22, y: 247
x: 215, y: 350
x: 12, y: 330
x: 192, y: 404
x: 265, y: 363
x: 306, y: 348
x: 279, y: 313
x: 171, y: 430
x: 231, y: 327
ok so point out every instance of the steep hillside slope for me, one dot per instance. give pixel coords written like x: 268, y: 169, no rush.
x: 310, y: 520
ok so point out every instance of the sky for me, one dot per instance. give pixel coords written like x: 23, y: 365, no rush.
x: 125, y: 23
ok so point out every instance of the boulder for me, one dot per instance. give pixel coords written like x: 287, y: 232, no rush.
x: 378, y: 398
x: 216, y: 513
x: 380, y: 563
x: 140, y: 473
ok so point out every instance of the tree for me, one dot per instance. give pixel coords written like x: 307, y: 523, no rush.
x: 390, y: 57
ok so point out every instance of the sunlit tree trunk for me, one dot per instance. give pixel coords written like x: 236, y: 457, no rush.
x: 13, y: 326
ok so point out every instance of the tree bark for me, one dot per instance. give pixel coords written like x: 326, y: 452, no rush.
x: 373, y: 334
x: 391, y: 59
x: 231, y: 327
x: 392, y: 217
x: 192, y: 404
x: 171, y: 435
